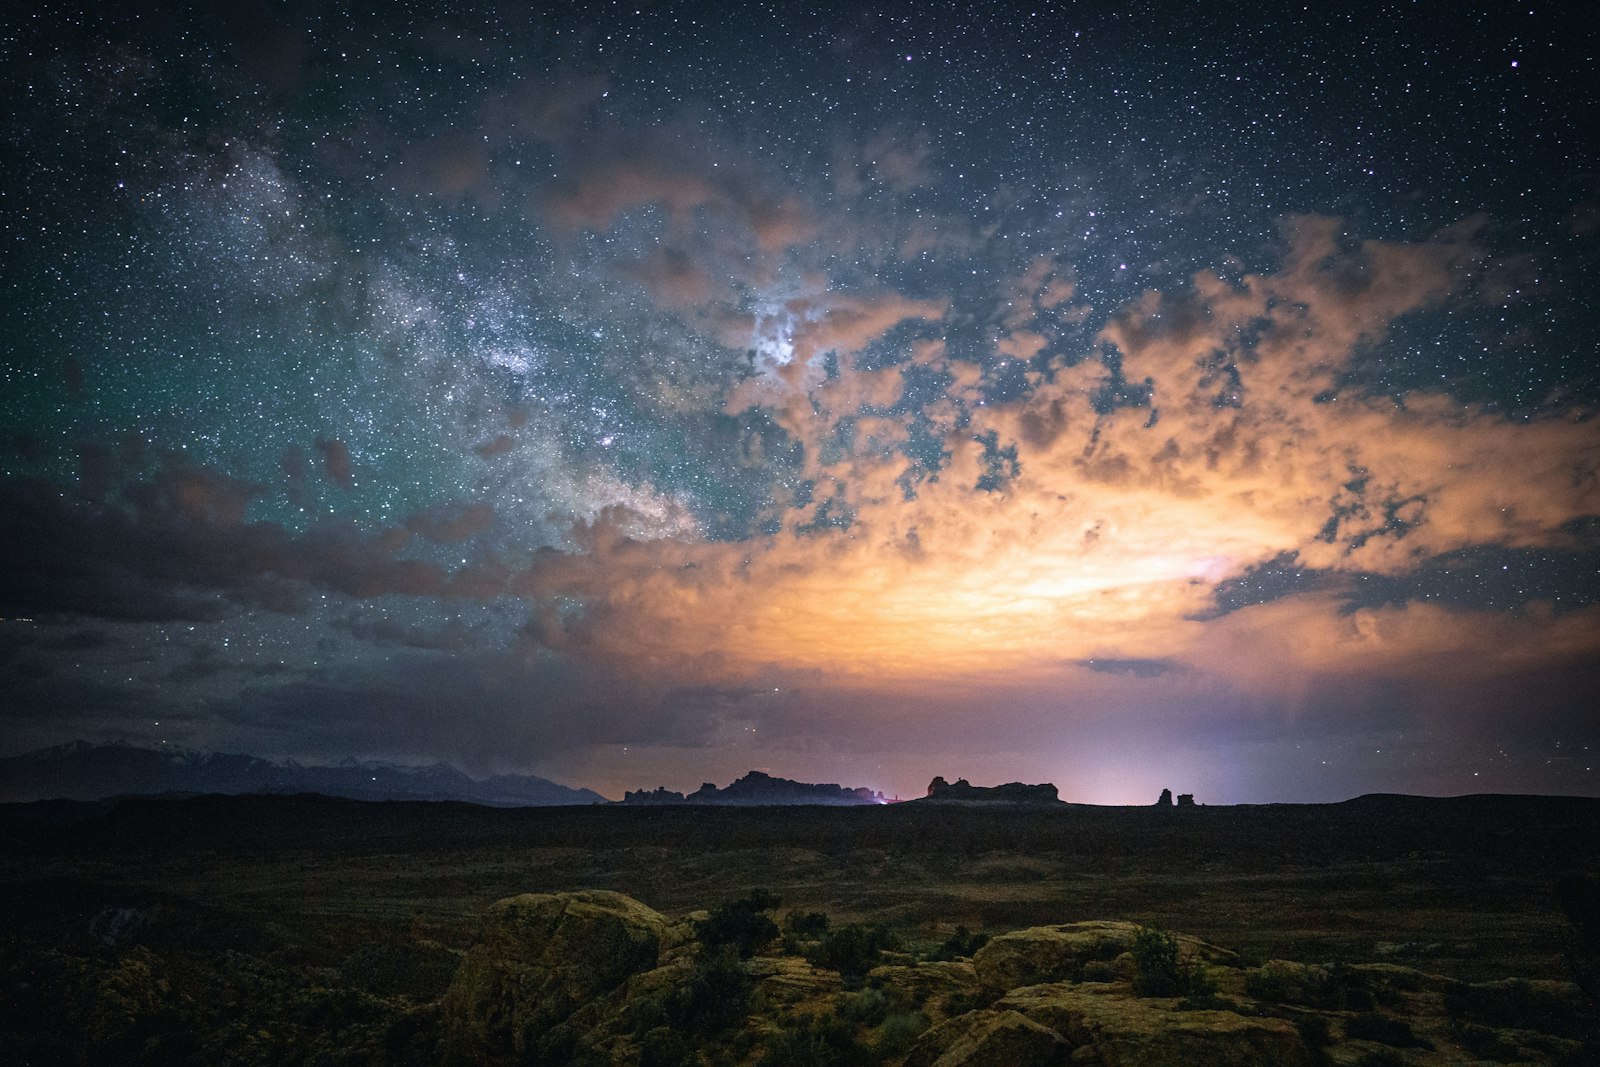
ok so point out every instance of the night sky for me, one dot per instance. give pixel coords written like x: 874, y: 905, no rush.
x: 1125, y: 396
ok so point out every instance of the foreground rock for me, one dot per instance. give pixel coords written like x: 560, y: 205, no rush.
x: 540, y: 958
x: 1108, y: 1025
x: 989, y: 1039
x: 1057, y: 953
x: 598, y: 978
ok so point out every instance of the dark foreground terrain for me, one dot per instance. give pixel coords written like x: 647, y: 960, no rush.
x: 307, y: 930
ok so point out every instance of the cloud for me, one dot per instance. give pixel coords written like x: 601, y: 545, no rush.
x: 498, y: 445
x: 176, y: 545
x: 1107, y: 540
x: 1138, y: 668
x: 454, y: 521
x: 336, y: 462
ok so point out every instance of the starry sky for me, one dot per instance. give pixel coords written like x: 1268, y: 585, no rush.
x: 1126, y: 396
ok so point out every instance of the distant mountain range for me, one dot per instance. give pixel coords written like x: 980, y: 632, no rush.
x: 80, y: 770
x: 757, y: 788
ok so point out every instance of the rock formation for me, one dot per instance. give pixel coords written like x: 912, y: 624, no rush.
x: 597, y: 978
x: 1165, y: 800
x: 540, y: 958
x: 962, y: 790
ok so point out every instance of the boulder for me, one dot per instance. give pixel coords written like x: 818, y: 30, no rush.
x: 537, y: 960
x: 1108, y: 1025
x: 1289, y: 982
x: 989, y: 1039
x: 1058, y: 953
x: 787, y: 981
x: 930, y: 984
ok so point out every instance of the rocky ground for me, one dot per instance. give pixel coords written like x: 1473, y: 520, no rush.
x: 282, y: 931
x: 596, y: 977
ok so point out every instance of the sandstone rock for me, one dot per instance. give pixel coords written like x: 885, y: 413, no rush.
x: 989, y: 1039
x: 1288, y: 982
x: 1057, y: 953
x: 1108, y: 1025
x: 787, y: 981
x: 539, y: 958
x: 930, y: 985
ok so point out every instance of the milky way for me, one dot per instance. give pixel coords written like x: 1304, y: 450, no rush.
x: 1120, y: 396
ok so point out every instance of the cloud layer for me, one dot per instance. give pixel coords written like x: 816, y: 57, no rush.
x: 590, y: 417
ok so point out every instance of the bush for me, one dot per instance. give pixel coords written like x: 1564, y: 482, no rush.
x: 666, y: 1047
x: 1487, y: 1044
x: 740, y: 923
x: 959, y: 945
x: 1210, y: 1002
x: 825, y: 1042
x: 1516, y: 1004
x: 1099, y: 971
x: 1314, y: 1030
x: 961, y: 1002
x: 1158, y: 972
x: 898, y: 1033
x: 871, y: 1006
x: 1385, y: 1030
x: 853, y: 950
x: 1383, y: 1058
x: 716, y: 995
x: 1272, y: 983
x: 806, y: 926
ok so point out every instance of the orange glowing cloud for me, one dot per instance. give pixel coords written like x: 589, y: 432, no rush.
x: 1059, y: 532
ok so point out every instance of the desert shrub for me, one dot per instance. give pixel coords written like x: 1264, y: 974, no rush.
x: 1383, y: 1057
x: 1314, y: 1030
x: 853, y: 950
x: 959, y: 945
x: 1403, y: 981
x: 715, y: 996
x: 897, y: 1033
x: 807, y: 926
x: 421, y: 972
x: 666, y: 1047
x: 1385, y: 1030
x: 801, y: 929
x: 1345, y: 990
x: 1158, y: 972
x: 1515, y: 1004
x: 1271, y: 983
x: 1210, y: 1002
x: 1487, y: 1044
x: 871, y: 1006
x: 1099, y: 971
x: 742, y: 924
x: 960, y: 1003
x: 1278, y: 982
x: 828, y: 1041
x: 1357, y: 998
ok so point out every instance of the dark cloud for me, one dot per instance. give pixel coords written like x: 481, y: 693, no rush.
x: 454, y: 521
x: 452, y: 636
x: 496, y: 446
x: 176, y: 546
x: 1138, y: 668
x: 336, y: 462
